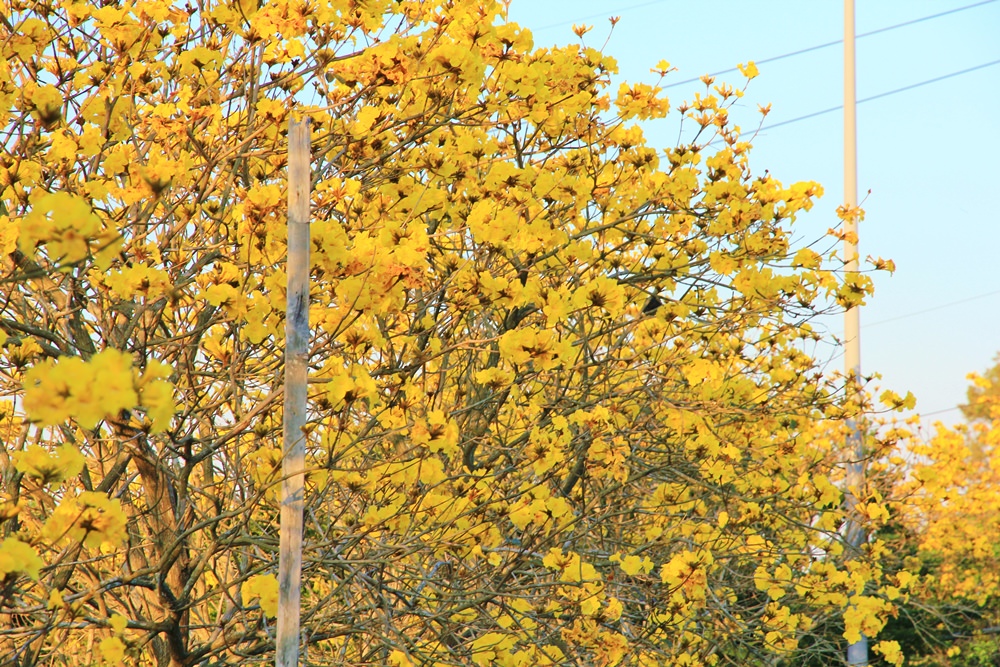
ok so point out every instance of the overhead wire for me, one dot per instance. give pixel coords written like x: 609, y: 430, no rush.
x: 839, y: 41
x: 790, y: 54
x: 922, y: 312
x: 973, y: 401
x: 938, y: 412
x: 931, y: 309
x: 880, y: 95
x: 641, y: 5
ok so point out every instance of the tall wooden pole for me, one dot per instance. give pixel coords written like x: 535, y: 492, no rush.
x: 857, y: 652
x: 296, y: 360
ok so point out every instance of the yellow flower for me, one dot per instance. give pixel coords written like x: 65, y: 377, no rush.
x: 891, y: 652
x: 55, y: 599
x: 156, y: 394
x: 541, y: 347
x: 602, y: 293
x: 118, y: 623
x: 865, y: 615
x: 68, y: 387
x: 640, y: 101
x: 633, y: 564
x: 92, y: 518
x: 36, y: 461
x: 749, y: 70
x: 16, y: 556
x: 345, y: 388
x: 113, y: 649
x: 614, y: 609
x: 559, y: 507
x: 64, y: 222
x: 48, y: 102
x: 398, y: 659
x: 442, y: 433
x: 93, y: 390
x: 264, y: 587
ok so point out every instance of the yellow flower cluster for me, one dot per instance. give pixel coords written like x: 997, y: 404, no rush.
x: 102, y: 387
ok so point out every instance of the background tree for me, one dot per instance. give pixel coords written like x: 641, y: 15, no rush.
x: 945, y: 533
x: 982, y: 394
x: 516, y: 456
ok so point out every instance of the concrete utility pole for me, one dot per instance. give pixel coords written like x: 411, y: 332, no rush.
x: 857, y: 653
x: 293, y: 463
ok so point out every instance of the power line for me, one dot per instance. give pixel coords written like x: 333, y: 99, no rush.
x: 885, y: 94
x: 938, y: 412
x: 933, y: 308
x: 928, y: 310
x: 839, y: 41
x: 980, y: 400
x: 823, y: 46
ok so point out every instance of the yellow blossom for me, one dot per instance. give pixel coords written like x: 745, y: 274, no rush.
x: 265, y: 588
x: 16, y: 556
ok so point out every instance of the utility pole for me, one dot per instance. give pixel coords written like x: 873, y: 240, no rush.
x: 293, y: 462
x: 857, y: 652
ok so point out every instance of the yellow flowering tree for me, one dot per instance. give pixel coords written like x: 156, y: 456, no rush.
x: 560, y: 407
x: 947, y: 516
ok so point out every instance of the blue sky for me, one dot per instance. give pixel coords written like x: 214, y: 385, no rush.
x: 929, y: 155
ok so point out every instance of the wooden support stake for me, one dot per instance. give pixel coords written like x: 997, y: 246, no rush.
x: 296, y: 360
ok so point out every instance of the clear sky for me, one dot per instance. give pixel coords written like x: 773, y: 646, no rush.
x: 929, y: 155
